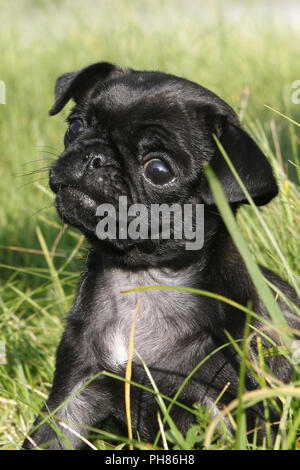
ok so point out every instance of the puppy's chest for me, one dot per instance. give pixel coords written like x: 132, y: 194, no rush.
x: 159, y: 320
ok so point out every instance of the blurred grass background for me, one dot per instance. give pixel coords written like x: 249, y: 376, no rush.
x: 246, y: 52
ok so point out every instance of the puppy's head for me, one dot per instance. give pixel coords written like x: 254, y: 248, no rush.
x: 146, y: 136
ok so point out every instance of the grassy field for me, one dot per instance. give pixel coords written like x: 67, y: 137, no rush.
x: 245, y: 53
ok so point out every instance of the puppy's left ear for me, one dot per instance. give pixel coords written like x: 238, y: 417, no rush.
x: 79, y: 83
x: 250, y: 163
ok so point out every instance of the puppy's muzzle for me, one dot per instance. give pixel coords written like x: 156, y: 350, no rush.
x: 76, y: 167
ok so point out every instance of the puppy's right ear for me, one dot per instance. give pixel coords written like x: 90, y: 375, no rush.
x: 79, y: 83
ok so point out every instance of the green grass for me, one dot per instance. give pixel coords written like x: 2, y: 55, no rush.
x: 248, y: 61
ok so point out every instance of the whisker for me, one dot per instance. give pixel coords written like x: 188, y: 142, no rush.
x: 48, y: 147
x: 37, y: 160
x: 44, y: 160
x: 55, y: 154
x: 42, y: 209
x: 34, y: 181
x: 33, y: 172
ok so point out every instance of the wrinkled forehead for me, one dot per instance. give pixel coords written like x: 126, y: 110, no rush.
x: 141, y: 97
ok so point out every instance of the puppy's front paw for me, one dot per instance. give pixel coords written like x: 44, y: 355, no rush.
x: 43, y: 438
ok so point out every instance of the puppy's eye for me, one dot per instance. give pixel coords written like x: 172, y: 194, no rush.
x: 157, y: 172
x: 75, y: 128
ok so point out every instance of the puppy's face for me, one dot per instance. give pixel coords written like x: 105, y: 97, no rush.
x: 147, y: 136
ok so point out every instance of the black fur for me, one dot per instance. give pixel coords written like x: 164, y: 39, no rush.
x: 128, y: 115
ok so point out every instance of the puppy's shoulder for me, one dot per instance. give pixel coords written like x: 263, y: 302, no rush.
x: 284, y: 294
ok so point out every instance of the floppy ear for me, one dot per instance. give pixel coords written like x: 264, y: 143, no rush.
x: 80, y: 82
x: 250, y: 163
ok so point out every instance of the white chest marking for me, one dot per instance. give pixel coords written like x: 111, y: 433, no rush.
x: 161, y: 317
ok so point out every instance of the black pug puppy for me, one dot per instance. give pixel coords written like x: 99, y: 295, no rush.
x: 146, y: 136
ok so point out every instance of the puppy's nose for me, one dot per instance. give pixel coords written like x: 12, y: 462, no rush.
x: 96, y: 161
